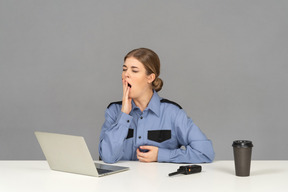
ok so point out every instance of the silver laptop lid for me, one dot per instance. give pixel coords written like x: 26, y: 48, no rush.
x: 67, y: 153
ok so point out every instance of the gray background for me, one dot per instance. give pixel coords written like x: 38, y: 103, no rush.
x: 224, y: 62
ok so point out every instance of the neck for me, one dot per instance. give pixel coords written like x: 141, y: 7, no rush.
x: 143, y: 101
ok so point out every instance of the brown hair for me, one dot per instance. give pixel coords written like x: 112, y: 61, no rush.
x: 151, y: 62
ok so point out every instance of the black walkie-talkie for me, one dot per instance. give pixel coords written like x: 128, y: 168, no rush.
x: 188, y: 169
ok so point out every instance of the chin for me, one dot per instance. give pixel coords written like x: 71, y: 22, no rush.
x: 133, y: 96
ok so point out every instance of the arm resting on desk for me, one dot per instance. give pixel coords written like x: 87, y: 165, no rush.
x: 199, y: 149
x: 188, y: 155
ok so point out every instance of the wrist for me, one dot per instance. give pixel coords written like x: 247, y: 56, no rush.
x: 125, y: 111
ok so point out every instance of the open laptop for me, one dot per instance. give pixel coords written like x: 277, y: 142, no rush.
x: 70, y: 154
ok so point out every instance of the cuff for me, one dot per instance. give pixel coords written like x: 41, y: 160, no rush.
x: 124, y: 119
x: 163, y: 155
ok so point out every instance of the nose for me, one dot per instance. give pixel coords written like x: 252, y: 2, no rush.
x: 126, y: 74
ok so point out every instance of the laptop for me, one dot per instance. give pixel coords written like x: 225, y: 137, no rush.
x: 70, y: 154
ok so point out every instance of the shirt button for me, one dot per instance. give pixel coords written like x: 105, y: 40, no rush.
x: 139, y: 137
x: 141, y: 117
x: 128, y: 121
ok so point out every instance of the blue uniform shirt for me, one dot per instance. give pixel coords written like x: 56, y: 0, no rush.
x: 163, y: 124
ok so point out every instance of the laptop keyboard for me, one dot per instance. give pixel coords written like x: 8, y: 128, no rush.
x: 102, y: 171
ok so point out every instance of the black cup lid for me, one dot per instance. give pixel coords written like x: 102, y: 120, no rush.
x: 242, y: 143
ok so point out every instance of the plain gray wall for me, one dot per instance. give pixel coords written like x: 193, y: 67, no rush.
x: 224, y: 62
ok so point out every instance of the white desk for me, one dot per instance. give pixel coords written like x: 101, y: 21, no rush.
x: 147, y: 177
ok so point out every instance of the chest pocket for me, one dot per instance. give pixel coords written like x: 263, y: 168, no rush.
x: 159, y: 135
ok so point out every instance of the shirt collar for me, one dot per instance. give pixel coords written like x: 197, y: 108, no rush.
x: 154, y: 104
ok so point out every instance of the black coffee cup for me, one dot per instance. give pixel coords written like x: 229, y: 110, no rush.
x: 242, y: 157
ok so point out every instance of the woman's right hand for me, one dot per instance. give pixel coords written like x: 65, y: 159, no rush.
x: 126, y: 100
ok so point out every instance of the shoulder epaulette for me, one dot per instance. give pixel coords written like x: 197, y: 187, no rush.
x: 116, y: 102
x: 171, y: 102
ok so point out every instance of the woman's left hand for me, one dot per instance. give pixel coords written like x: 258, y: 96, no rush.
x: 150, y: 156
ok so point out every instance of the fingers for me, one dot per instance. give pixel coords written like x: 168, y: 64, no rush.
x: 147, y: 147
x: 126, y: 101
x: 125, y: 85
x: 126, y: 89
x: 150, y: 156
x: 142, y: 157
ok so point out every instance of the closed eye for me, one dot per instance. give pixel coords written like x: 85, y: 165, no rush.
x: 134, y: 69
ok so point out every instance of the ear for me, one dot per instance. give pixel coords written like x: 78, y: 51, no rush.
x: 151, y: 78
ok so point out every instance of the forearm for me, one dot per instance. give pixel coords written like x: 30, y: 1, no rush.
x: 112, y: 138
x: 195, y: 152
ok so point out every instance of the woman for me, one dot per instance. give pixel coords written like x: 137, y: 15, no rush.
x: 144, y: 126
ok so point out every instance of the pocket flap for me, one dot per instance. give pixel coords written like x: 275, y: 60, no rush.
x: 159, y: 135
x: 130, y: 133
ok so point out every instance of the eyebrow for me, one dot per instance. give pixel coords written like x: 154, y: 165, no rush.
x: 133, y: 67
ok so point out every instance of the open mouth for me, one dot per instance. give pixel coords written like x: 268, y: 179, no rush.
x: 129, y: 85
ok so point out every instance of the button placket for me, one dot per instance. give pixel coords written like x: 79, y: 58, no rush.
x: 140, y: 130
x: 141, y: 117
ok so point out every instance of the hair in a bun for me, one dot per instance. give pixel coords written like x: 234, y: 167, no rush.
x: 157, y: 84
x: 151, y: 62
